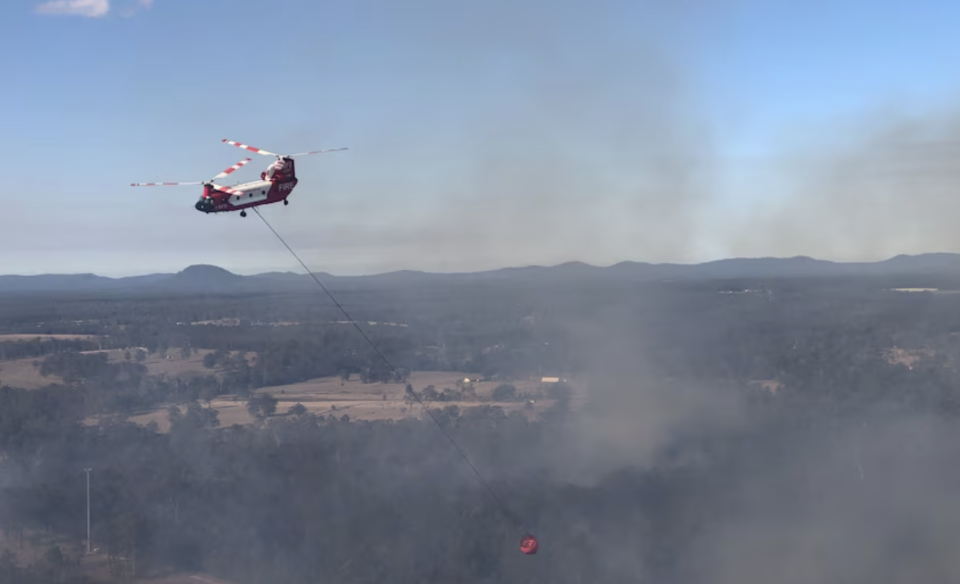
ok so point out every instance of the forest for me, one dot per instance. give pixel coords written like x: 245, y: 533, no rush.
x: 728, y: 431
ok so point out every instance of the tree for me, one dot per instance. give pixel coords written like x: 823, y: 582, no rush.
x: 447, y: 415
x: 560, y: 392
x: 120, y: 537
x: 52, y: 565
x: 209, y: 391
x: 195, y: 418
x: 297, y: 409
x: 262, y: 405
x: 9, y: 573
x: 505, y: 392
x: 174, y: 415
x: 429, y: 393
x: 210, y: 360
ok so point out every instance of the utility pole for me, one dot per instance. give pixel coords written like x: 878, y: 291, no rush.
x: 87, y: 470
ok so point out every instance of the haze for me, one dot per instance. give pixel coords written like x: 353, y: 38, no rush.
x: 481, y: 135
x: 775, y: 420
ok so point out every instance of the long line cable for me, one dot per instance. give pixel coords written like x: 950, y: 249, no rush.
x: 409, y: 389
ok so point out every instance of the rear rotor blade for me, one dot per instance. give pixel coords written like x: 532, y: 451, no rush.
x: 317, y: 152
x: 165, y: 184
x: 250, y: 148
x: 231, y: 169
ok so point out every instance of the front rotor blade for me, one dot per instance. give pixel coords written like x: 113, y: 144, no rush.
x: 250, y: 148
x: 231, y: 169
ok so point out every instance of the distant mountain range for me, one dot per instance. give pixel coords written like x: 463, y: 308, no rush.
x: 207, y: 279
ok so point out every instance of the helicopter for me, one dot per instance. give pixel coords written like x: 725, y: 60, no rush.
x: 275, y: 184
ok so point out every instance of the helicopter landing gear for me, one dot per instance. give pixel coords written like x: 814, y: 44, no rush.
x: 243, y: 213
x: 286, y: 202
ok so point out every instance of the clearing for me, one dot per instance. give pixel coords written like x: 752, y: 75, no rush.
x: 23, y: 374
x: 322, y: 396
x: 368, y: 401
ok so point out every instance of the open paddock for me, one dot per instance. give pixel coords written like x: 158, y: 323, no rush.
x: 231, y: 412
x: 172, y: 365
x: 23, y: 374
x: 331, y: 396
x: 335, y: 388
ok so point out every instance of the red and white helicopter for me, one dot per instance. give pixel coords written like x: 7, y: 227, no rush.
x: 275, y: 184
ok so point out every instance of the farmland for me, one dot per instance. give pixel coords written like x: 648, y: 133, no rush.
x: 234, y: 453
x: 332, y: 396
x: 327, y: 396
x: 25, y: 373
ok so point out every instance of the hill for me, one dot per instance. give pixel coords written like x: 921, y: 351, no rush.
x: 207, y: 279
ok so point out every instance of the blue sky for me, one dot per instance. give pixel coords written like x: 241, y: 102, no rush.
x: 481, y: 134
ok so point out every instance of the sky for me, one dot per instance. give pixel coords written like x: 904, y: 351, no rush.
x: 480, y: 134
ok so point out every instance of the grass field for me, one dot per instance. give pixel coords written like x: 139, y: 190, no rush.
x: 22, y: 373
x: 326, y: 396
x: 361, y: 401
x: 172, y: 365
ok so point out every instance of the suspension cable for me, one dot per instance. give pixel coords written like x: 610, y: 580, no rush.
x: 409, y: 389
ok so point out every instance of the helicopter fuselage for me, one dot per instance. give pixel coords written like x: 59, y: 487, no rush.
x: 266, y: 191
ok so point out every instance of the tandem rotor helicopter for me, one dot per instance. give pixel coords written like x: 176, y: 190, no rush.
x: 275, y: 184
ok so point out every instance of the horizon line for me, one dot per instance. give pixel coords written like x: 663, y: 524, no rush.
x: 482, y: 271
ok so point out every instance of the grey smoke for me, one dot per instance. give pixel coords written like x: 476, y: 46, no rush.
x: 869, y: 189
x: 629, y: 411
x: 808, y: 516
x: 602, y: 152
x: 593, y: 150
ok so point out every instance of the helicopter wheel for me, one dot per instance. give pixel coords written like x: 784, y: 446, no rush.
x: 243, y: 213
x: 286, y: 202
